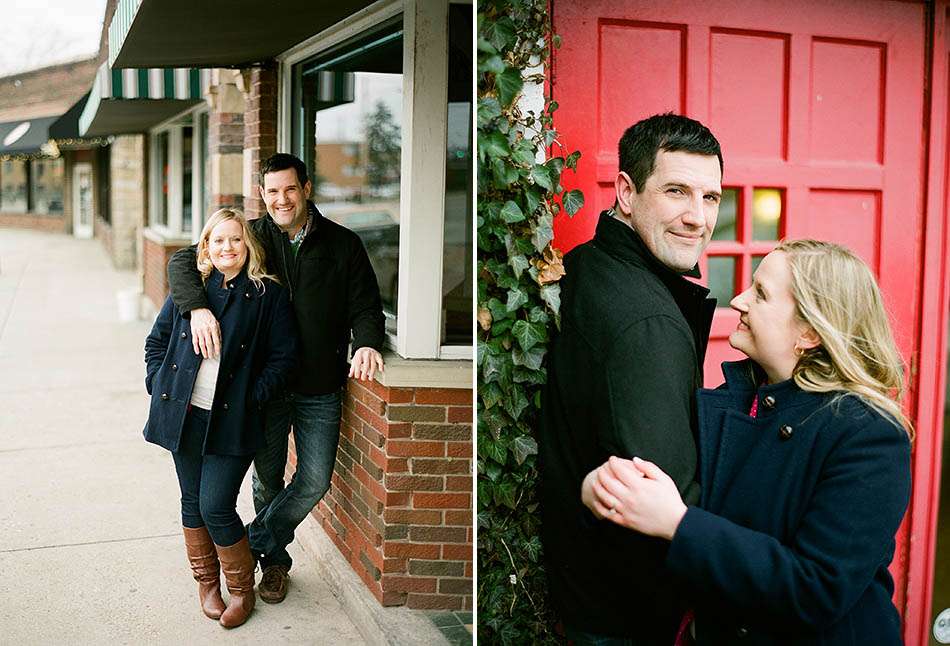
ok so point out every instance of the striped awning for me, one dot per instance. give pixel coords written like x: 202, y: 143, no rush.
x: 126, y: 101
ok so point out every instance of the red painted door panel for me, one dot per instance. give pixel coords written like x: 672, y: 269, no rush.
x: 818, y: 107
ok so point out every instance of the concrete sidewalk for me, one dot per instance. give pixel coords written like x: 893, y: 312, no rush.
x: 91, y: 550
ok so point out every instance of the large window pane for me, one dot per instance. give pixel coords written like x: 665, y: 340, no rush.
x: 13, y: 186
x: 457, y: 234
x: 47, y: 186
x: 347, y: 129
x: 766, y: 213
x: 728, y: 209
x: 187, y: 152
x: 722, y: 279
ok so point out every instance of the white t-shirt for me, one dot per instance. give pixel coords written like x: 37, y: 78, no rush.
x: 203, y: 394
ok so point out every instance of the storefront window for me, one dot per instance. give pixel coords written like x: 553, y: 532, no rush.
x: 457, y: 246
x: 161, y: 212
x: 13, y: 186
x: 186, y: 170
x: 347, y: 129
x: 47, y: 184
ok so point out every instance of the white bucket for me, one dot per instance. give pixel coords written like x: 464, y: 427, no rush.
x: 128, y: 301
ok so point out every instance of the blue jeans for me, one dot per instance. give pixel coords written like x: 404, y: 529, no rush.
x: 209, y: 483
x: 315, y: 420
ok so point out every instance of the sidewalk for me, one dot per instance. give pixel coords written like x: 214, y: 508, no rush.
x: 91, y: 549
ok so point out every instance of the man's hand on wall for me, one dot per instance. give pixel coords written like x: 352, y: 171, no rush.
x: 366, y: 361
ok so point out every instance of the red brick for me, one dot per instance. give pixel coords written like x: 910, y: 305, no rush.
x: 458, y: 518
x: 468, y: 600
x: 397, y: 465
x: 394, y: 566
x: 458, y: 483
x: 468, y: 570
x: 460, y: 396
x: 434, y: 601
x: 391, y: 598
x: 440, y: 466
x: 412, y: 550
x: 397, y: 583
x: 399, y: 395
x: 399, y: 430
x: 460, y: 414
x: 414, y: 483
x: 413, y: 516
x: 458, y: 449
x: 367, y: 416
x: 403, y: 413
x: 442, y: 500
x: 458, y: 552
x: 411, y: 448
x: 397, y: 498
x: 442, y: 432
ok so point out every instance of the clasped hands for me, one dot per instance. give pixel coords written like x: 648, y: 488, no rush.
x: 635, y: 494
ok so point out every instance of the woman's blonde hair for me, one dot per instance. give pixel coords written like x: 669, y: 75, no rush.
x: 255, y: 253
x: 837, y: 295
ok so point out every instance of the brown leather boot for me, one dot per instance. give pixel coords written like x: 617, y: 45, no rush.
x: 238, y: 566
x: 204, y: 567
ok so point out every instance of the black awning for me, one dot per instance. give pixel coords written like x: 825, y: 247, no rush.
x: 202, y: 33
x: 25, y: 136
x: 67, y: 126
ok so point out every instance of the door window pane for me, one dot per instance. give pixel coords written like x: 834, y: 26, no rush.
x: 722, y: 279
x: 728, y: 208
x: 347, y: 130
x: 457, y: 233
x: 13, y: 186
x: 766, y: 213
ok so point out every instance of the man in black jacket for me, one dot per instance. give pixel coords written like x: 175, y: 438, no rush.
x: 334, y: 294
x: 622, y: 375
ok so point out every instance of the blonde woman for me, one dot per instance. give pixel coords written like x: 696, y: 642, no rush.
x: 208, y: 412
x: 804, y: 465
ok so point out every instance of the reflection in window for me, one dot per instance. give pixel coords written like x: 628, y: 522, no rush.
x: 457, y: 234
x: 161, y: 214
x: 728, y: 208
x: 722, y: 279
x: 186, y: 174
x: 348, y: 131
x: 46, y: 181
x: 766, y: 213
x: 13, y: 186
x: 756, y: 261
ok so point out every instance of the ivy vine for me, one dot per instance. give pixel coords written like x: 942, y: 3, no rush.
x: 519, y: 195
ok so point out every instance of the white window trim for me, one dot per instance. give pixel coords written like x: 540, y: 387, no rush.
x: 422, y: 201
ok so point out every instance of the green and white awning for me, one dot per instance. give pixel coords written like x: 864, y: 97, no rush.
x: 126, y: 101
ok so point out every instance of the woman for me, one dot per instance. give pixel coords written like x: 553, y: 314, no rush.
x: 208, y: 412
x: 804, y: 466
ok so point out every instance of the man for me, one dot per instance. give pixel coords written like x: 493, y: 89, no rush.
x: 622, y: 375
x: 334, y: 293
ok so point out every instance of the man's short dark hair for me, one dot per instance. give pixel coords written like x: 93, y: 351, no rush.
x: 283, y: 161
x: 670, y: 132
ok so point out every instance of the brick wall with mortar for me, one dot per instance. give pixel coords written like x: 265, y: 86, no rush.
x: 155, y: 255
x: 400, y: 503
x: 260, y: 130
x: 225, y: 140
x: 39, y: 222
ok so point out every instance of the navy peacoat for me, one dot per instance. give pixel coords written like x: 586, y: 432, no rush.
x: 258, y: 355
x: 799, y: 508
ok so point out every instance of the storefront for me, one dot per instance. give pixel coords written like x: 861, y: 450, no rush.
x: 364, y: 95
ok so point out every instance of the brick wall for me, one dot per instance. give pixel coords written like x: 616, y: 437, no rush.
x: 400, y: 503
x: 155, y: 254
x: 128, y: 184
x: 260, y: 130
x: 49, y: 223
x: 225, y: 141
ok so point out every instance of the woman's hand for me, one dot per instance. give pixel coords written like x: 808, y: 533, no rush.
x: 635, y: 494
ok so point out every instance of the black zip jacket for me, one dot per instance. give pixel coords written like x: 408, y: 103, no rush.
x: 622, y: 377
x: 333, y: 291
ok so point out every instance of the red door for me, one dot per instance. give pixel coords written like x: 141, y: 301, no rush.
x: 819, y: 109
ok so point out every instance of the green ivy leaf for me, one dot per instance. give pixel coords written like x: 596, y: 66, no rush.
x: 503, y: 174
x: 551, y: 295
x: 543, y: 233
x: 532, y: 199
x: 511, y: 212
x: 518, y: 264
x: 504, y: 493
x: 571, y: 161
x: 508, y: 84
x: 494, y: 145
x: 502, y: 33
x: 529, y: 334
x: 497, y: 368
x: 522, y: 447
x: 488, y: 110
x: 572, y: 201
x: 531, y: 359
x: 541, y: 177
x: 516, y: 404
x: 492, y: 65
x: 516, y: 298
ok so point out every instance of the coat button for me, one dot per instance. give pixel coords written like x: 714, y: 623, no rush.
x: 742, y: 632
x: 164, y: 397
x: 174, y: 366
x: 225, y: 406
x: 769, y: 401
x: 184, y: 335
x: 243, y: 346
x: 785, y: 432
x: 247, y: 294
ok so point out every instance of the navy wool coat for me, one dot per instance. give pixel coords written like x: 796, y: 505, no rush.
x: 258, y: 355
x: 799, y: 507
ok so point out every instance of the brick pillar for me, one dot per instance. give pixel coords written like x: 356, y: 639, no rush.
x: 225, y: 140
x: 260, y: 130
x: 400, y: 503
x: 127, y: 183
